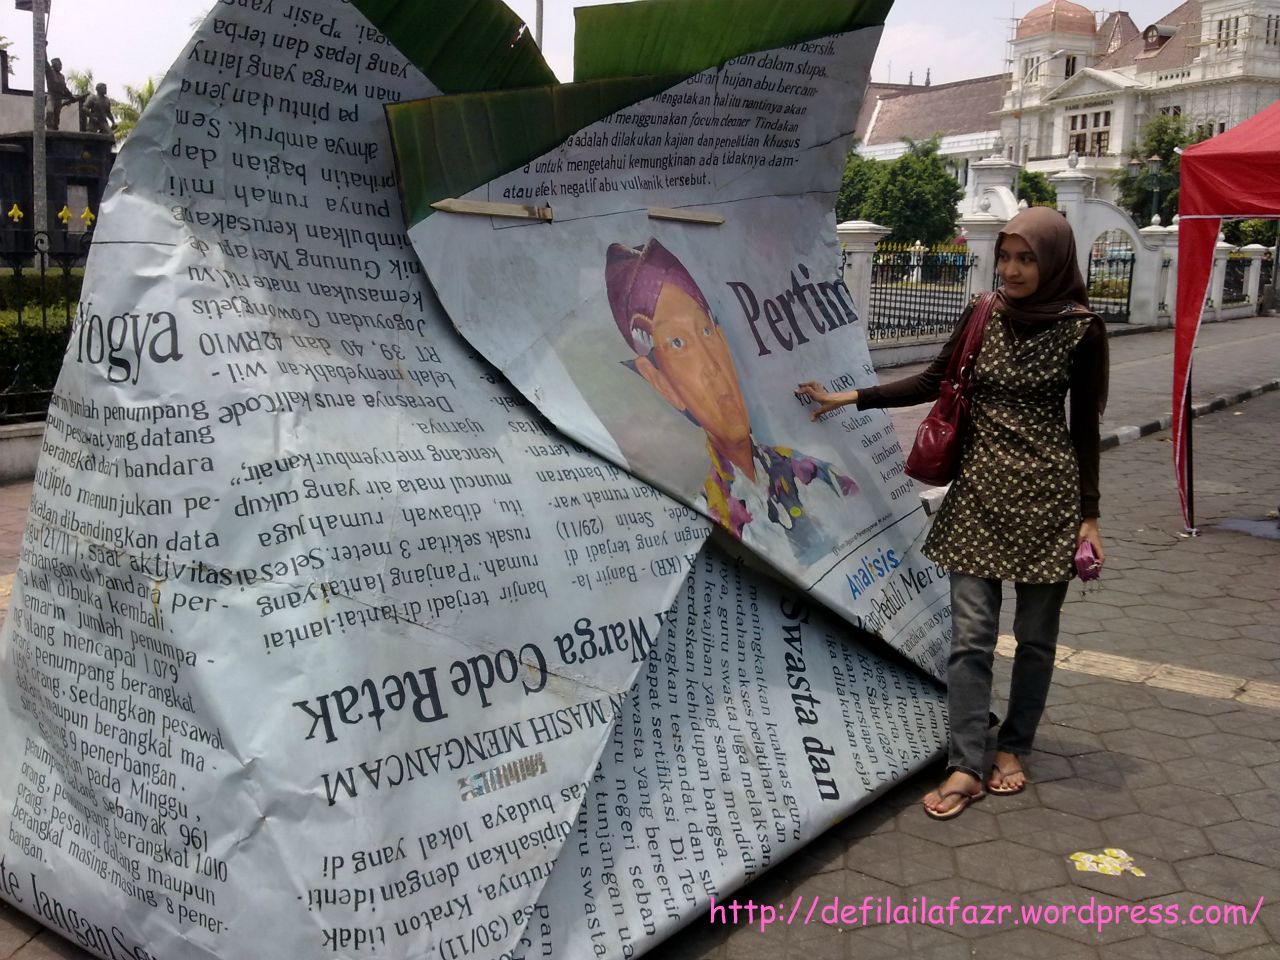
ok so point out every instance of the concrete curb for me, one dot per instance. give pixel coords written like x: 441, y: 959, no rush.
x: 1113, y: 438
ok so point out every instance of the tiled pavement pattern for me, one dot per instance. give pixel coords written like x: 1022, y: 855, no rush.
x: 1178, y: 767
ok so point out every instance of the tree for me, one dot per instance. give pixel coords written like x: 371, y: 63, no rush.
x: 1036, y: 189
x: 1162, y: 134
x: 81, y: 83
x: 1241, y: 233
x: 128, y: 113
x: 917, y: 196
x: 861, y: 176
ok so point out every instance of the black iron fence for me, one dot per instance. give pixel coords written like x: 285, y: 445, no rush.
x: 40, y: 276
x: 1111, y: 281
x: 1267, y: 271
x: 916, y: 291
x: 1235, y: 281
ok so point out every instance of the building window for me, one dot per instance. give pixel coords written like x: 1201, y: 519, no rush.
x: 1228, y: 32
x: 1222, y: 127
x: 1090, y: 133
x: 1171, y: 111
x: 1071, y: 67
x: 1273, y: 31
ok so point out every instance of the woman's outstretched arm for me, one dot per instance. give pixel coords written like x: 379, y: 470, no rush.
x: 907, y: 392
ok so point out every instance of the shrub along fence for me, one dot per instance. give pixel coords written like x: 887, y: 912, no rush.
x: 40, y: 278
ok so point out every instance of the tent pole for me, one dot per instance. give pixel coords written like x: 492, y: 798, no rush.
x: 1190, y: 463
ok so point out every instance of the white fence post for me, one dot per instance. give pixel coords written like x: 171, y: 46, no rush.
x: 858, y: 239
x: 980, y: 234
x: 1164, y: 283
x: 1253, y: 282
x: 1213, y: 309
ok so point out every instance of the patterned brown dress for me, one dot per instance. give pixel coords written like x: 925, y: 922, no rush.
x: 1014, y: 510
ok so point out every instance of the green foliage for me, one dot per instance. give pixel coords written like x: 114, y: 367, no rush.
x: 80, y: 82
x: 917, y: 196
x: 127, y: 113
x: 1159, y: 138
x: 1244, y: 232
x: 1036, y: 189
x: 861, y: 177
x: 58, y: 290
x: 1109, y: 287
x: 33, y: 349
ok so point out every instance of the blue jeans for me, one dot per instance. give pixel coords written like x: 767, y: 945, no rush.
x: 975, y: 617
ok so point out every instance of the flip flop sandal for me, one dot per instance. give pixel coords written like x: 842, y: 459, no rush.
x: 959, y: 808
x: 1007, y: 791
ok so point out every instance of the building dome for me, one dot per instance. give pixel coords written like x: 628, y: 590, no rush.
x: 1057, y: 16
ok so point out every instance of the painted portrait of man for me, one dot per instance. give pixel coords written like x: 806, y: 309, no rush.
x: 752, y: 489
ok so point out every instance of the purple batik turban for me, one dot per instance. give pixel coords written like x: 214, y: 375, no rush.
x: 635, y: 277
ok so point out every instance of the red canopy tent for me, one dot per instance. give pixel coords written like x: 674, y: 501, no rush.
x: 1234, y: 175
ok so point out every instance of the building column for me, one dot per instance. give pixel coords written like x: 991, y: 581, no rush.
x: 858, y: 239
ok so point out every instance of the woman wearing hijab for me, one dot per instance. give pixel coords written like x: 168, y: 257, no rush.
x: 1025, y: 497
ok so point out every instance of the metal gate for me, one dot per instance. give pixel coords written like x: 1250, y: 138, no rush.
x: 1111, y: 260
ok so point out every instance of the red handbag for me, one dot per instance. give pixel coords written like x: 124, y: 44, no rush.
x: 935, y: 456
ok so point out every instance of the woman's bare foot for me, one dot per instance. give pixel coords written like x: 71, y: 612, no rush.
x: 1007, y: 775
x: 949, y: 793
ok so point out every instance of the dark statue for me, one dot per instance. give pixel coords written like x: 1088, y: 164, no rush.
x: 96, y: 110
x: 59, y: 94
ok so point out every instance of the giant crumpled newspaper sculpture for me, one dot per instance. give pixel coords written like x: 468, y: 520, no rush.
x: 324, y: 639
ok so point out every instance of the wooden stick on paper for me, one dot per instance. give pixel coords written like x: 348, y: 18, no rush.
x: 484, y: 208
x: 685, y: 216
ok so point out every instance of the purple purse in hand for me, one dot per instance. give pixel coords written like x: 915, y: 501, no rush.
x: 1087, y: 565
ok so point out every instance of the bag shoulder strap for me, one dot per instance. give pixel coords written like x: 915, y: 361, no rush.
x: 966, y: 352
x: 982, y: 311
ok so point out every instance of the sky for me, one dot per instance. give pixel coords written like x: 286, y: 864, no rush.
x: 126, y: 41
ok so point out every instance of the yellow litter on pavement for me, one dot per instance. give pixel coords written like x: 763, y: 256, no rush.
x: 1111, y: 861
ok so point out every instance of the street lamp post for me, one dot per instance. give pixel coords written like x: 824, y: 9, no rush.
x: 1153, y: 168
x: 1022, y: 86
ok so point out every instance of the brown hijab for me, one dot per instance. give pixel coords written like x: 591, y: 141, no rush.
x: 1062, y: 292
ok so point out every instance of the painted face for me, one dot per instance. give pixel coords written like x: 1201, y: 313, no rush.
x: 691, y: 352
x: 1018, y: 268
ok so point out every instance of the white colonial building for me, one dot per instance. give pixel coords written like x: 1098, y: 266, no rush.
x: 1088, y: 83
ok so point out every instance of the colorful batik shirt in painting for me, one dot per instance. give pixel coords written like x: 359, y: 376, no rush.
x: 758, y: 511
